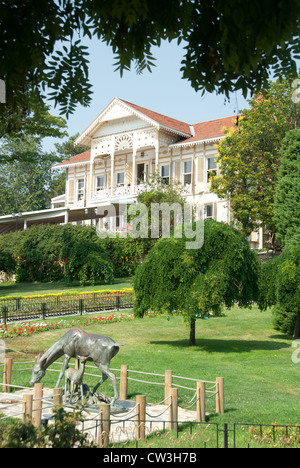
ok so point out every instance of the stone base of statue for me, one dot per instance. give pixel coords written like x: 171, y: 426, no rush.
x: 92, y: 402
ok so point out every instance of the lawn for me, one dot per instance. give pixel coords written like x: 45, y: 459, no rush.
x: 28, y: 289
x: 261, y: 381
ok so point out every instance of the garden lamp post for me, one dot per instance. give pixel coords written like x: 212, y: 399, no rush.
x: 16, y: 216
x: 86, y: 211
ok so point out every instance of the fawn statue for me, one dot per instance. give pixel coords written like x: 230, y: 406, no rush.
x: 73, y: 378
x: 76, y: 342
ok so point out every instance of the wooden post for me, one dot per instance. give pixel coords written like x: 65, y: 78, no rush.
x: 123, y: 382
x: 57, y: 397
x: 220, y: 395
x: 168, y: 385
x: 37, y: 404
x: 77, y: 364
x: 104, y: 428
x: 7, y: 375
x: 173, y: 411
x: 200, y: 401
x: 140, y: 417
x: 27, y: 406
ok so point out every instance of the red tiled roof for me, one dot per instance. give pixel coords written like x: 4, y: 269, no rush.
x: 82, y: 157
x: 161, y: 119
x: 211, y: 129
x: 203, y: 130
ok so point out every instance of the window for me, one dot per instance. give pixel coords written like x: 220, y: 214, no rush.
x: 80, y: 189
x: 211, y: 168
x: 165, y: 174
x: 140, y: 173
x: 118, y: 222
x: 120, y: 178
x: 100, y: 183
x: 187, y: 172
x: 208, y: 211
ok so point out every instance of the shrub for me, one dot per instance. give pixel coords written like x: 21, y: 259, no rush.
x: 62, y: 434
x: 125, y: 253
x: 198, y: 282
x: 7, y: 262
x: 287, y: 207
x: 44, y: 253
x: 280, y: 288
x: 89, y: 262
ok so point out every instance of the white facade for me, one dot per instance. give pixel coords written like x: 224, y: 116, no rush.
x: 128, y: 144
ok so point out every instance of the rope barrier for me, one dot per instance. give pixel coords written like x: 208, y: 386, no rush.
x: 160, y: 403
x: 145, y: 381
x: 168, y: 382
x: 193, y: 380
x: 188, y: 402
x: 146, y: 373
x: 193, y: 404
x: 17, y: 386
x: 180, y: 386
x: 210, y: 396
x: 158, y: 415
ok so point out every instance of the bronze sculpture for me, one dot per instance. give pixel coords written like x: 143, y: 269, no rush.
x: 76, y: 342
x: 73, y: 378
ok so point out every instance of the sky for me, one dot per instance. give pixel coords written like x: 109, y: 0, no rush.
x: 164, y: 90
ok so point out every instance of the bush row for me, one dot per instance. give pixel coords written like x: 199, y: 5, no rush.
x: 280, y: 288
x: 69, y: 253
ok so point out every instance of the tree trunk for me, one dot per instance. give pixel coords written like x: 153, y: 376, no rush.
x: 192, y: 332
x: 297, y: 327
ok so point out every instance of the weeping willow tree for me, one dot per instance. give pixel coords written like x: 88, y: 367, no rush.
x: 198, y: 282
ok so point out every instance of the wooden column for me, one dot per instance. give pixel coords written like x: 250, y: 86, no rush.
x: 123, y: 382
x: 168, y: 385
x: 37, y: 404
x: 140, y: 417
x: 7, y: 375
x: 92, y: 171
x: 104, y: 429
x: 57, y: 397
x: 133, y: 170
x: 173, y: 410
x: 220, y: 395
x: 27, y: 406
x: 112, y: 173
x: 200, y: 401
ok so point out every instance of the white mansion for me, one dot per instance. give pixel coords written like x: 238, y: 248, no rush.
x: 128, y: 144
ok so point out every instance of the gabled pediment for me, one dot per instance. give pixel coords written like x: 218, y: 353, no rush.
x: 119, y: 110
x: 116, y: 111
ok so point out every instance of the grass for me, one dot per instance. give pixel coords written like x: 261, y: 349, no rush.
x: 261, y: 381
x: 27, y: 289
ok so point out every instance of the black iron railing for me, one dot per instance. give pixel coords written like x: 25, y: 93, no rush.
x: 23, y: 309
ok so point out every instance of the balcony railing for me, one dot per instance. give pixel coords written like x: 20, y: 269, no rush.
x: 129, y: 191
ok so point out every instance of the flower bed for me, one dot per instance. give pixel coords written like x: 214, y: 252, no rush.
x: 33, y: 297
x: 29, y: 328
x: 28, y: 308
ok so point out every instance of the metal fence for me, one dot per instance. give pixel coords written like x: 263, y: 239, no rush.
x: 159, y: 431
x: 23, y: 309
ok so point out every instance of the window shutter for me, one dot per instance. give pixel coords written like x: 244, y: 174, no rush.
x: 128, y: 174
x: 215, y: 211
x: 71, y: 191
x: 200, y: 174
x: 177, y: 171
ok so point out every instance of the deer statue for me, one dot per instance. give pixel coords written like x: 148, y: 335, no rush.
x: 76, y: 342
x: 73, y: 378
